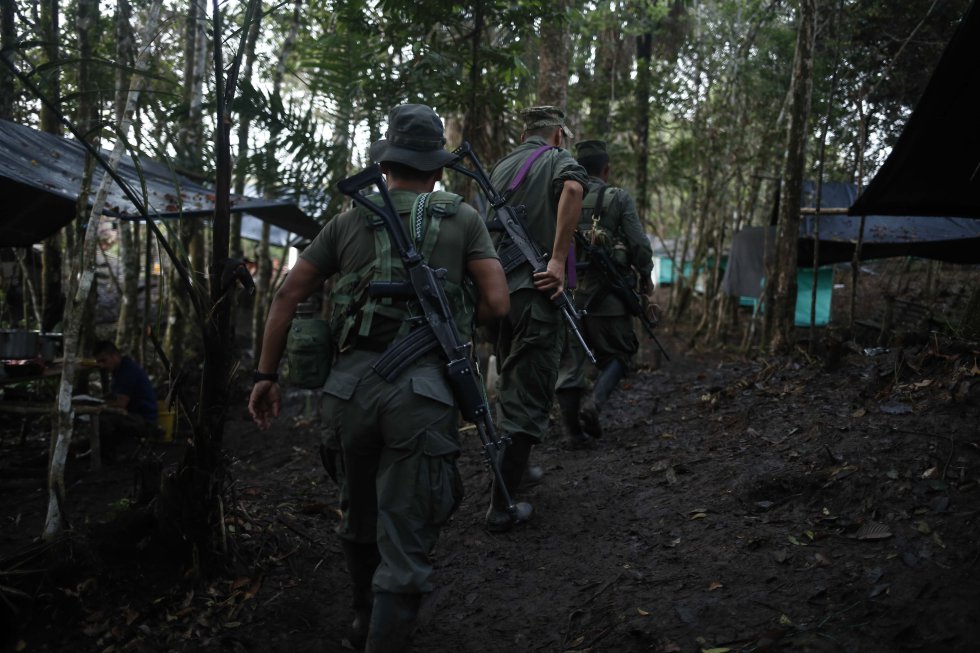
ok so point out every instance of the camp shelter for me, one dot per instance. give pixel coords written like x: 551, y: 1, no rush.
x: 41, y: 177
x: 950, y: 239
x: 745, y: 273
x: 934, y: 167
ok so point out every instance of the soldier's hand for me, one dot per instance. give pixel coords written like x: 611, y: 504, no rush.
x: 551, y: 279
x: 264, y: 403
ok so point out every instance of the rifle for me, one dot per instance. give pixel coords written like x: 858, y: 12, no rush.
x: 438, y: 329
x: 520, y: 247
x: 618, y: 285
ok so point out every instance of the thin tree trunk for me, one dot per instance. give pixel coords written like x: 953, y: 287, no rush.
x: 8, y: 39
x: 127, y: 326
x: 181, y: 336
x: 85, y: 273
x: 781, y: 313
x: 241, y: 163
x: 52, y: 262
x: 644, y: 51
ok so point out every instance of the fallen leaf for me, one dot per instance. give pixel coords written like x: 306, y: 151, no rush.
x: 872, y: 531
x: 722, y: 649
x: 821, y: 559
x: 932, y: 472
x: 714, y: 585
x: 923, y: 527
x: 699, y: 515
x: 642, y: 612
x: 785, y: 621
x: 860, y: 412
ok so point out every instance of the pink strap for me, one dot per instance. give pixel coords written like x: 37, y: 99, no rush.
x: 571, y: 274
x: 522, y: 173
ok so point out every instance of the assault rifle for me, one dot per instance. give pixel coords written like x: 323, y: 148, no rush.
x: 438, y: 329
x: 520, y: 248
x: 618, y: 284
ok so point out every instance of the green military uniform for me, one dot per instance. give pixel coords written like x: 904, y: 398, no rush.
x: 531, y: 336
x: 394, y: 435
x: 608, y: 325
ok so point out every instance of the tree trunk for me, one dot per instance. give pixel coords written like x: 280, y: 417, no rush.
x: 50, y: 85
x: 8, y: 39
x: 780, y: 314
x: 554, y: 55
x: 127, y: 326
x: 181, y: 336
x: 644, y: 50
x: 85, y: 273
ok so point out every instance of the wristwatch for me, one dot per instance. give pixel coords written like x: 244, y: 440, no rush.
x: 265, y: 376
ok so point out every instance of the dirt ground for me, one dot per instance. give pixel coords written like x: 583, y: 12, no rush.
x: 814, y: 502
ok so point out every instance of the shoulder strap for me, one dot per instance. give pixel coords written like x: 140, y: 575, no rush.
x: 525, y: 168
x: 597, y: 209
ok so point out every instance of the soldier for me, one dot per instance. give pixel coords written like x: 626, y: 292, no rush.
x: 608, y: 219
x: 546, y: 179
x: 390, y: 434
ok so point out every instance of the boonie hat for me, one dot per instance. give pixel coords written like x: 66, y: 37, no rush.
x: 415, y: 138
x: 546, y: 116
x: 589, y: 148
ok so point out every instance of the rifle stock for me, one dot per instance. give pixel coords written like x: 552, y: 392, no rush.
x: 521, y: 248
x: 428, y: 289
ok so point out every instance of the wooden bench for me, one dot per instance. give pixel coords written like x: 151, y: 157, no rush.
x: 50, y: 408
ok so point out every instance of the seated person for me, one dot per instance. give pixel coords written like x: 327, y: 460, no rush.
x: 130, y: 388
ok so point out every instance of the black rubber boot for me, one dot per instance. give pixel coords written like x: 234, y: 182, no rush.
x: 570, y: 404
x: 362, y: 560
x: 392, y: 622
x: 606, y: 382
x: 512, y: 466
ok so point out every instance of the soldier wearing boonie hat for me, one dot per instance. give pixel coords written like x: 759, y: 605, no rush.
x: 607, y: 324
x: 383, y: 436
x: 550, y: 184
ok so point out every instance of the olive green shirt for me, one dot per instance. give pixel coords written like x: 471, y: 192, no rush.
x: 347, y: 244
x: 628, y: 246
x: 539, y: 193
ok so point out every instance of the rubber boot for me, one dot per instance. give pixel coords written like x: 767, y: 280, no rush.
x: 606, y: 382
x: 512, y: 466
x: 362, y: 560
x: 569, y: 402
x: 392, y: 622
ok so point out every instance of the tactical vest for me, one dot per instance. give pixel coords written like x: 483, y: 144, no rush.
x: 354, y: 310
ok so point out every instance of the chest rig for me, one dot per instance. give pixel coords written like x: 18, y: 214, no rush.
x: 355, y: 309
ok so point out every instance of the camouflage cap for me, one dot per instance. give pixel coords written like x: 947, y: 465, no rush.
x: 537, y: 117
x: 589, y: 148
x: 415, y: 138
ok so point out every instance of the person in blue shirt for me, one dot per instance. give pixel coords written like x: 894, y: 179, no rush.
x: 130, y: 388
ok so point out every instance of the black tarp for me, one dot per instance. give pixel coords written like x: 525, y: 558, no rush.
x: 956, y: 240
x: 40, y: 178
x: 934, y: 168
